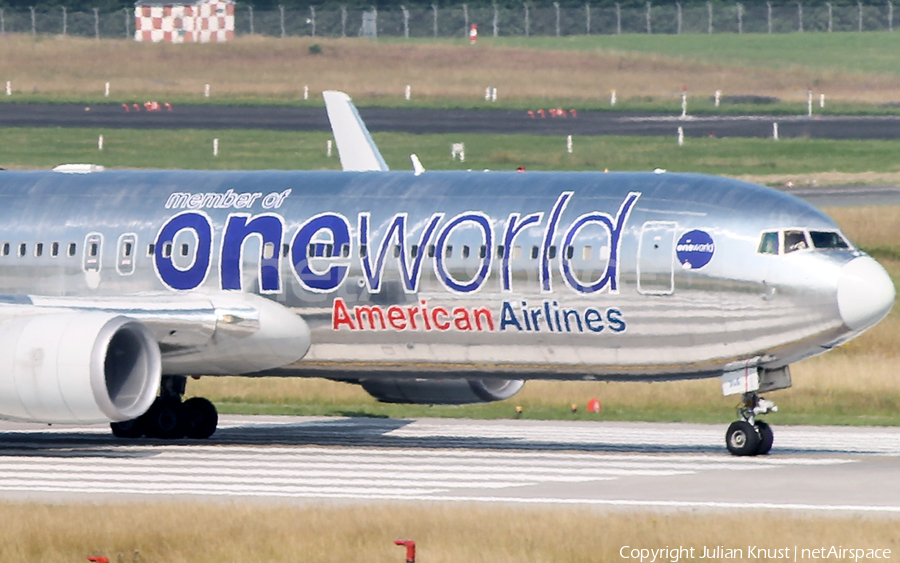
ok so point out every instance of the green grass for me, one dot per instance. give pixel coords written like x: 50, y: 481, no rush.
x: 256, y: 150
x: 867, y: 52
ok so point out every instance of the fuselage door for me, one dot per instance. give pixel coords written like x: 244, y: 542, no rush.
x: 656, y: 258
x: 93, y: 246
x: 125, y: 254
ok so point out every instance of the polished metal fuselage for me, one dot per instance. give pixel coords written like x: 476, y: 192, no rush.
x: 487, y: 306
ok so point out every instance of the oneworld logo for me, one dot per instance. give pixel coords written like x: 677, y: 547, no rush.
x: 695, y: 249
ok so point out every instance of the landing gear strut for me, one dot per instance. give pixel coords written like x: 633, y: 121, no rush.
x: 169, y: 418
x: 749, y: 436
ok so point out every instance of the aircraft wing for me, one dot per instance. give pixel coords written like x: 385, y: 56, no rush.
x: 354, y: 144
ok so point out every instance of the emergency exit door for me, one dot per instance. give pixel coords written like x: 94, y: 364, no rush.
x: 656, y: 258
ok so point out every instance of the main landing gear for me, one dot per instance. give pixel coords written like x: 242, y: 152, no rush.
x: 749, y: 436
x: 171, y: 419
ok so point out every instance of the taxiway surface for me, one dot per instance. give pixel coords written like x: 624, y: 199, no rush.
x: 422, y: 121
x: 625, y: 465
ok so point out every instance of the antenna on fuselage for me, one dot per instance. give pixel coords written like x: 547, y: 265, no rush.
x: 355, y: 146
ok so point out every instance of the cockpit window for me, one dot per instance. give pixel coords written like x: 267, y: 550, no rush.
x: 769, y: 243
x: 795, y: 240
x: 828, y: 240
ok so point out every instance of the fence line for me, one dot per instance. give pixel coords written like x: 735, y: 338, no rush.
x: 503, y: 21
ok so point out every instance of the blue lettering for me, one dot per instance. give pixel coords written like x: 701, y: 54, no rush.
x: 572, y: 312
x: 440, y: 269
x: 396, y: 229
x: 593, y: 319
x: 549, y: 233
x: 269, y: 229
x: 508, y: 317
x: 193, y: 276
x: 513, y: 228
x: 614, y: 227
x: 337, y: 229
x: 615, y: 320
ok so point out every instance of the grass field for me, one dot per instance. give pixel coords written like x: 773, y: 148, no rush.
x: 856, y: 71
x: 803, y: 161
x: 253, y: 533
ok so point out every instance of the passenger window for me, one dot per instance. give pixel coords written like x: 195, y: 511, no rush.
x: 167, y: 250
x: 22, y: 249
x: 6, y: 249
x: 534, y: 252
x: 396, y: 251
x: 39, y: 249
x: 285, y: 249
x: 768, y: 244
x: 552, y: 252
x: 431, y: 251
x: 73, y: 248
x: 268, y: 251
x: 414, y: 250
x: 465, y: 253
x: 570, y: 252
x: 482, y: 252
x: 517, y: 253
x: 125, y: 254
x: 794, y: 240
x: 828, y: 240
x: 363, y: 250
x: 500, y: 252
x: 151, y: 248
x: 91, y: 257
x: 586, y: 253
x: 184, y: 249
x: 448, y: 251
x: 329, y: 250
x: 345, y: 250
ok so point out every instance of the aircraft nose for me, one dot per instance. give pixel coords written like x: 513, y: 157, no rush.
x: 865, y: 293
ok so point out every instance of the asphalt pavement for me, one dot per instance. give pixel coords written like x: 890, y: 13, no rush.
x: 421, y: 121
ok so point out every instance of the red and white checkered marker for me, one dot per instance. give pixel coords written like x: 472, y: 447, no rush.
x: 201, y: 22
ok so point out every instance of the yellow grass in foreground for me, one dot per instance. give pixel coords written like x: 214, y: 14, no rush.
x: 248, y: 533
x: 257, y: 66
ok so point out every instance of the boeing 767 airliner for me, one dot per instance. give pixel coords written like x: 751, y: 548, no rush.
x: 434, y: 287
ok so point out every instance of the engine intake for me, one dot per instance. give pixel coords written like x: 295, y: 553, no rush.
x: 441, y: 391
x: 80, y: 367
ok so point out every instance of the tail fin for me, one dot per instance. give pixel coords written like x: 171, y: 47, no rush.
x: 354, y: 144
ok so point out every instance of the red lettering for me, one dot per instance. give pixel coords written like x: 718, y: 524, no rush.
x: 371, y: 312
x: 487, y: 314
x: 340, y: 316
x: 412, y: 317
x: 444, y: 313
x: 461, y: 318
x: 425, y: 315
x: 396, y: 318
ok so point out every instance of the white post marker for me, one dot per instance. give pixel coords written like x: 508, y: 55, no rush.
x: 569, y: 144
x: 215, y: 147
x: 306, y: 92
x: 408, y: 93
x: 775, y: 130
x: 8, y: 88
x: 206, y: 91
x: 612, y: 98
x: 458, y: 149
x: 718, y: 97
x: 680, y: 136
x: 487, y: 94
x: 100, y: 143
x: 809, y: 102
x: 821, y: 100
x: 493, y: 94
x: 683, y: 102
x: 328, y: 148
x: 106, y: 91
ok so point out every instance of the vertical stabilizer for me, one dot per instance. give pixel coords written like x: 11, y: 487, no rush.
x: 354, y: 144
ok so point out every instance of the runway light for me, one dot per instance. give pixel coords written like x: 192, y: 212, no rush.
x: 518, y: 411
x: 574, y: 408
x: 410, y: 549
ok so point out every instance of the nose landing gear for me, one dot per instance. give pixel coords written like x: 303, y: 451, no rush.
x: 748, y: 436
x: 169, y: 418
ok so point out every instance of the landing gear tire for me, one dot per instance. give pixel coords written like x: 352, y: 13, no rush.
x: 766, y: 437
x: 201, y: 418
x: 165, y: 419
x: 128, y: 428
x: 742, y: 439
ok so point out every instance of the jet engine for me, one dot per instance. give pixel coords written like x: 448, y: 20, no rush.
x: 441, y: 391
x: 80, y: 367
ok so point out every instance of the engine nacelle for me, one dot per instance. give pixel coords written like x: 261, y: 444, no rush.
x: 441, y: 391
x: 77, y: 368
